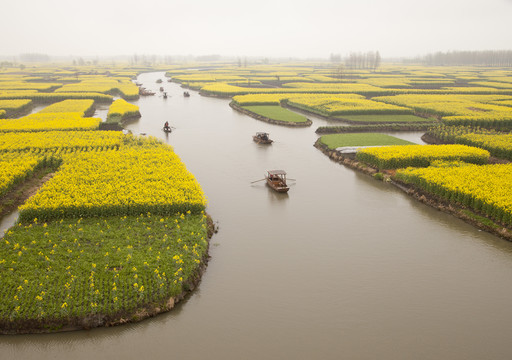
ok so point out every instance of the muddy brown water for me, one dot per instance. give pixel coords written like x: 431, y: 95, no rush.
x: 341, y: 267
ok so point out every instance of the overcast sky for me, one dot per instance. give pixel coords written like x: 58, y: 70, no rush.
x: 270, y: 28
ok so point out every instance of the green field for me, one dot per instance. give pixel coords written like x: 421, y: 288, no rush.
x: 334, y: 141
x: 276, y: 112
x: 59, y: 273
x: 384, y: 118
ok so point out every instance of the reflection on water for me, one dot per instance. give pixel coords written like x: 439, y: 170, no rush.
x: 342, y: 266
x: 7, y: 221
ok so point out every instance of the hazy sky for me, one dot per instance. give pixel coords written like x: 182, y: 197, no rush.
x: 272, y: 28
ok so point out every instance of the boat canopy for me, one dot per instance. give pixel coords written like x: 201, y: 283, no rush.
x: 276, y: 172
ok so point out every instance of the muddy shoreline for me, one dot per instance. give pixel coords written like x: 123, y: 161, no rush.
x: 268, y: 120
x: 102, y: 320
x: 419, y: 194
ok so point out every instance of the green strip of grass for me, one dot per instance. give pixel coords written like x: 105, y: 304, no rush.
x: 64, y: 272
x: 334, y: 141
x: 384, y: 118
x: 276, y: 112
x: 374, y: 128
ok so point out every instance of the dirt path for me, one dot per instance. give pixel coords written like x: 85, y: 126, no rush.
x: 20, y: 193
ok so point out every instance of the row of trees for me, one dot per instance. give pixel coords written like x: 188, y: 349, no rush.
x: 34, y: 57
x: 369, y: 60
x: 485, y: 58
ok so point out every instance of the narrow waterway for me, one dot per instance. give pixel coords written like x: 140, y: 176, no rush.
x: 341, y: 267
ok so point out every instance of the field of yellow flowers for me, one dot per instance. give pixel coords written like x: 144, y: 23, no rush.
x: 121, y: 109
x: 50, y: 121
x: 60, y: 141
x: 498, y: 144
x: 81, y: 106
x: 136, y: 234
x: 15, y: 168
x: 119, y: 228
x: 14, y: 106
x: 394, y: 157
x: 483, y: 188
x: 120, y: 182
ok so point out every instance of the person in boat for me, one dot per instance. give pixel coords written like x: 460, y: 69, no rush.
x: 166, y: 126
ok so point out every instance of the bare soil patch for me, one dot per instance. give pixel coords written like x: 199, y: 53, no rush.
x: 20, y: 193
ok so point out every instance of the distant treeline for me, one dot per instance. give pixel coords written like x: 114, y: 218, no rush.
x: 368, y: 60
x: 34, y: 57
x: 485, y: 58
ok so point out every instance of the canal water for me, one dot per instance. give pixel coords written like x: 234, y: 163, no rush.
x: 341, y: 267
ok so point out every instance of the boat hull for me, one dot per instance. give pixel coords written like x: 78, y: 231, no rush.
x: 277, y: 186
x: 261, y: 141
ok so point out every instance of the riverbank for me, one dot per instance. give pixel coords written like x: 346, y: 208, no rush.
x: 465, y: 214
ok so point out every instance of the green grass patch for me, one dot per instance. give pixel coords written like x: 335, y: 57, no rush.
x: 276, y: 112
x: 333, y: 141
x: 374, y: 128
x: 65, y: 272
x: 481, y: 219
x: 407, y: 118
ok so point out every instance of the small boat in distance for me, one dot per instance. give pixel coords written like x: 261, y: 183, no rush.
x: 262, y: 138
x: 276, y: 179
x: 145, y: 92
x: 186, y: 94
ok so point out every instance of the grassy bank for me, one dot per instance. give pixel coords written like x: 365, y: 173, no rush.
x: 383, y: 118
x: 82, y: 273
x: 334, y: 141
x: 372, y: 128
x: 277, y: 113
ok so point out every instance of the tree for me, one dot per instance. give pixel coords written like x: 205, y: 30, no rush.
x: 377, y: 61
x: 337, y: 72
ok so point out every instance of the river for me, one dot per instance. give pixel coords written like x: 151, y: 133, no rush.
x: 341, y: 267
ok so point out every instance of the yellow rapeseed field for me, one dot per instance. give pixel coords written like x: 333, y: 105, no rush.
x: 50, y: 121
x: 14, y: 168
x: 55, y: 140
x: 485, y: 188
x: 123, y: 182
x: 393, y: 157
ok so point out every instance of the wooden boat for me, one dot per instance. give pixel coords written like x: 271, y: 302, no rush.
x: 161, y: 88
x: 276, y: 179
x: 262, y: 138
x: 167, y: 129
x: 186, y: 94
x: 145, y: 92
x: 165, y: 95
